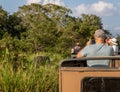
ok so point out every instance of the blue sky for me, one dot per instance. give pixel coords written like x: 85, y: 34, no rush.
x: 107, y: 10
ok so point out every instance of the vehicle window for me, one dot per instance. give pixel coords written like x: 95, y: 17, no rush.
x: 101, y: 84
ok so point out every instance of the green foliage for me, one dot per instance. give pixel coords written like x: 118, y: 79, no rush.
x: 51, y: 28
x: 31, y: 79
x: 15, y: 27
x: 3, y: 22
x: 89, y: 24
x: 118, y: 39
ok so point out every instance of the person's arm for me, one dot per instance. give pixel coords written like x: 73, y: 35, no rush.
x: 72, y: 50
x: 82, y: 53
x: 79, y: 55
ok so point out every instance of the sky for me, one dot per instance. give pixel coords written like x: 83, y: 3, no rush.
x: 107, y: 10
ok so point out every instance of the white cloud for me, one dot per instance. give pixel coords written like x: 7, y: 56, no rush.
x: 104, y: 8
x: 57, y: 2
x: 100, y: 8
x: 33, y: 1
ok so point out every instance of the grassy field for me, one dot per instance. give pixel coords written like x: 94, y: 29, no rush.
x: 30, y: 77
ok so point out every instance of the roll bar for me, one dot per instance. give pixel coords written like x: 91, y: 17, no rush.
x: 77, y: 62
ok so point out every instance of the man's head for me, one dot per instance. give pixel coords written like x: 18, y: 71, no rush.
x: 99, y: 34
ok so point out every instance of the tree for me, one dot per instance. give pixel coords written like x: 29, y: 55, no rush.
x: 3, y: 22
x: 50, y: 27
x: 89, y: 24
x: 118, y: 39
x: 15, y: 27
x: 42, y: 31
x: 57, y: 13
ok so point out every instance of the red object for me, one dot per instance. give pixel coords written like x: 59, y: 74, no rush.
x: 107, y: 40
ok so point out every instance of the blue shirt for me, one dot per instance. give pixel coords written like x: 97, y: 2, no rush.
x: 97, y: 50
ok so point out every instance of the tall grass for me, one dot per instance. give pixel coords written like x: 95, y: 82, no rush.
x: 31, y: 78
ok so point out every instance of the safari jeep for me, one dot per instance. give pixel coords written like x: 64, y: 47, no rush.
x: 75, y: 76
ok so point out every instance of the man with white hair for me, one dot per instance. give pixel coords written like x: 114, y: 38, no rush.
x: 97, y: 49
